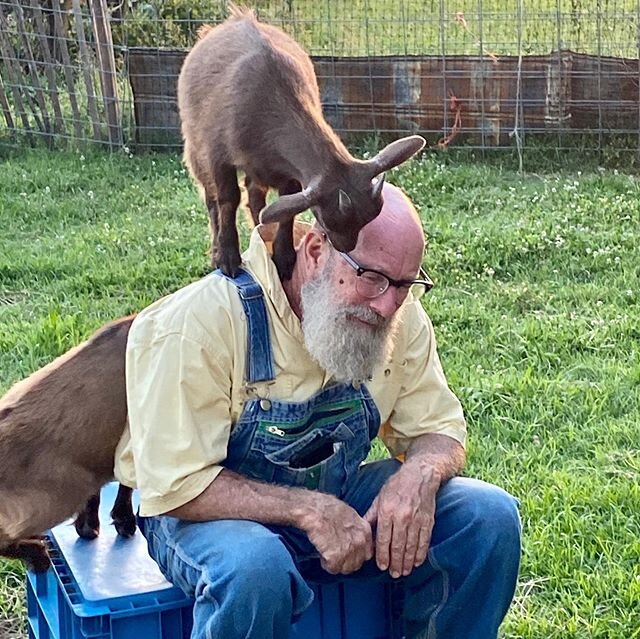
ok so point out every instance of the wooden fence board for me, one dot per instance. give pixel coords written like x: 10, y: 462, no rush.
x: 107, y: 65
x: 12, y: 72
x: 6, y: 110
x: 49, y: 65
x: 87, y: 71
x: 61, y: 41
x: 39, y: 98
x: 406, y: 94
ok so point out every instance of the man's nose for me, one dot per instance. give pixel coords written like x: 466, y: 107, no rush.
x: 387, y: 303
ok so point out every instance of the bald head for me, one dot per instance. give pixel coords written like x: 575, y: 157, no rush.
x: 396, y: 229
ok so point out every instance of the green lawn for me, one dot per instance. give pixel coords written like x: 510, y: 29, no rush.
x: 536, y: 309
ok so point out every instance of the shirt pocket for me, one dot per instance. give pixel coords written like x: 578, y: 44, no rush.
x: 386, y: 386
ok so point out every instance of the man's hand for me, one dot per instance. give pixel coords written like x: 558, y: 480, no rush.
x: 340, y: 535
x: 403, y: 515
x: 403, y: 512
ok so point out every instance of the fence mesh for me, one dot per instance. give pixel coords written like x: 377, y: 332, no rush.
x: 479, y: 73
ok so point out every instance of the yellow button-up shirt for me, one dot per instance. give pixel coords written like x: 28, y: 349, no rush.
x: 186, y: 382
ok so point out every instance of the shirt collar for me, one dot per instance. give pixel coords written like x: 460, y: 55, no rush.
x: 257, y: 259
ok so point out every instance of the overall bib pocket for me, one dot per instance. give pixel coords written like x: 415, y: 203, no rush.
x: 316, y: 460
x: 316, y: 447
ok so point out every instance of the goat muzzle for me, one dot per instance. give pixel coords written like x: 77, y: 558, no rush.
x: 343, y: 241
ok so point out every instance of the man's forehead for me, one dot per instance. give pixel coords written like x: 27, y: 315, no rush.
x: 394, y: 236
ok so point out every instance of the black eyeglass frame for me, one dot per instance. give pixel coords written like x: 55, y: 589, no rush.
x: 425, y: 280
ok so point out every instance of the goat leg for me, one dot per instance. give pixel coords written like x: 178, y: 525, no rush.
x: 122, y: 512
x: 87, y: 522
x: 214, y: 224
x: 284, y: 254
x: 227, y: 254
x: 33, y: 552
x: 257, y: 194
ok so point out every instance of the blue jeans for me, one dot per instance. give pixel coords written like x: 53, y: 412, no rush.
x: 249, y: 580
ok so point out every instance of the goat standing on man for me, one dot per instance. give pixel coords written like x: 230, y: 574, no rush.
x: 249, y: 99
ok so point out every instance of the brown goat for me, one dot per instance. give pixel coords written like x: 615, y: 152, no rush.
x: 249, y: 99
x: 58, y: 433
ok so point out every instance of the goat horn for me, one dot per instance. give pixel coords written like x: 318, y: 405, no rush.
x: 377, y: 187
x: 344, y: 202
x: 286, y: 206
x: 396, y: 153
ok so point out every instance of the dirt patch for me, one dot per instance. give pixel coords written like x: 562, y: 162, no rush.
x: 12, y: 629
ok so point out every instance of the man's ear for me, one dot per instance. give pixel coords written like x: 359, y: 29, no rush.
x: 313, y: 248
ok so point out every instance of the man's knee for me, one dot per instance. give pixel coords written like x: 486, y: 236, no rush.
x: 248, y: 585
x: 256, y: 560
x: 482, y: 511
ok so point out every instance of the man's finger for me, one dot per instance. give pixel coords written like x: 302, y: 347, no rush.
x: 384, y: 531
x: 398, y: 545
x: 368, y: 549
x: 328, y: 567
x: 411, y: 548
x: 424, y: 540
x: 371, y: 515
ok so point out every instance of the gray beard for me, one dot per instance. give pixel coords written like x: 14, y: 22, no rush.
x: 346, y: 350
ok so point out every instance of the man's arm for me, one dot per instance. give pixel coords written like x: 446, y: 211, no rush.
x: 440, y: 456
x: 342, y: 538
x: 404, y: 510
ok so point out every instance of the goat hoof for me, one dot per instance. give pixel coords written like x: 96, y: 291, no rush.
x: 33, y: 552
x: 229, y: 263
x: 85, y: 528
x: 125, y: 526
x: 39, y: 561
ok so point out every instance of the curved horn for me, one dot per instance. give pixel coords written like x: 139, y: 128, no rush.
x: 344, y: 202
x: 377, y: 187
x: 396, y: 153
x: 286, y: 206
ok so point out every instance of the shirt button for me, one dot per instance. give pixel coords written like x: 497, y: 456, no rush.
x: 387, y: 372
x: 265, y: 404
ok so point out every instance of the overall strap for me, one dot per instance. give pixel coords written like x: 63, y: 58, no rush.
x: 259, y: 365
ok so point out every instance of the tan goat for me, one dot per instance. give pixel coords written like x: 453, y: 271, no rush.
x: 58, y: 432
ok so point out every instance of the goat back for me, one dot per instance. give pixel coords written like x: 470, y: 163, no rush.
x: 242, y: 89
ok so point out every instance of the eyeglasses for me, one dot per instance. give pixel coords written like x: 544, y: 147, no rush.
x: 371, y: 283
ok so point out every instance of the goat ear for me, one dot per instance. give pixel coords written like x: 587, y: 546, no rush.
x: 396, y: 153
x: 286, y: 206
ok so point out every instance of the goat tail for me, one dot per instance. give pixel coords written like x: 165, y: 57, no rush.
x: 236, y: 11
x: 203, y: 30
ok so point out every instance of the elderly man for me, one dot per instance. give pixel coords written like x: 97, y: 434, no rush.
x: 252, y: 405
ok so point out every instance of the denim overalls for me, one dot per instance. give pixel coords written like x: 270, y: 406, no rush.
x: 317, y: 444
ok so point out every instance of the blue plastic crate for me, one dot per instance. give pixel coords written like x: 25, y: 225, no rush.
x: 110, y: 588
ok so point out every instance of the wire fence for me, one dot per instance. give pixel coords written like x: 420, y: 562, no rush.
x: 485, y: 74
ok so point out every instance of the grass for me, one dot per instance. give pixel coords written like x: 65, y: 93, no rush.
x: 379, y: 27
x: 536, y: 309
